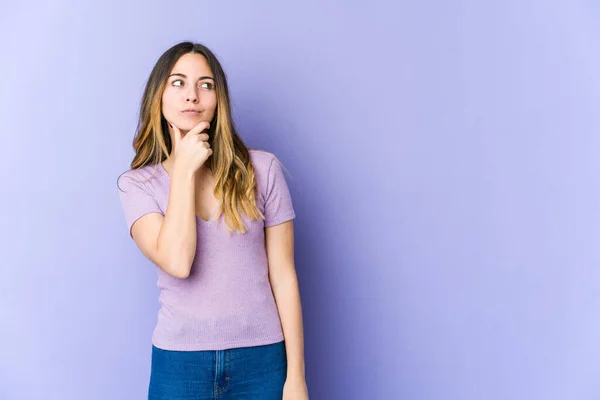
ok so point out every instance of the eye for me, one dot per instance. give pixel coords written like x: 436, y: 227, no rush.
x: 177, y: 80
x: 207, y: 85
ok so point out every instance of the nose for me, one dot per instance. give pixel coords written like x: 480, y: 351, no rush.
x: 191, y: 96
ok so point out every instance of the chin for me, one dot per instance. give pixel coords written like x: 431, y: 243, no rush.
x: 186, y: 124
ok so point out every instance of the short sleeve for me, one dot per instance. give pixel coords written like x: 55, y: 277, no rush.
x: 278, y: 201
x: 136, y: 199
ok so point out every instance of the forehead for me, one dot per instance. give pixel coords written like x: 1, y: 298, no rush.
x: 192, y: 65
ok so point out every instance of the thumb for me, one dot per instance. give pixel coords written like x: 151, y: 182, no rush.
x: 176, y: 133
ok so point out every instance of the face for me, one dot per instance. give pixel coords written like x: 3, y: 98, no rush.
x: 189, y: 97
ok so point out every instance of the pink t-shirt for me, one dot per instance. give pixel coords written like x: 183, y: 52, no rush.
x: 226, y: 301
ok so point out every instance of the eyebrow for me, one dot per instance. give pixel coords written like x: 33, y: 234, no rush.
x: 183, y: 76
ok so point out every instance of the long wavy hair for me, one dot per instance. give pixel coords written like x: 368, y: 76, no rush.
x: 235, y: 182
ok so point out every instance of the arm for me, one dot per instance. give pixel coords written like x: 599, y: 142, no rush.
x: 170, y: 241
x: 284, y: 282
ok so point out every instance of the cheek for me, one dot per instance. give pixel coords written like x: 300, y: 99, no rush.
x: 168, y: 103
x: 211, y: 104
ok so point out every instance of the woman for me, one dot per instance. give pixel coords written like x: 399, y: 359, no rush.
x: 216, y: 219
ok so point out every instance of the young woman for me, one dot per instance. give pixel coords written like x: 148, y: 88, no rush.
x: 216, y: 219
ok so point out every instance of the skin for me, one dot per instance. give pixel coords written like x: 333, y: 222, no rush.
x: 284, y: 282
x: 170, y: 241
x: 190, y: 85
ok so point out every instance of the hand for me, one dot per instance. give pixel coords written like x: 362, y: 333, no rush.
x: 295, y: 389
x: 191, y: 151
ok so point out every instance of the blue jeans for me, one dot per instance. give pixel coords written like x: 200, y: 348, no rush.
x: 256, y: 373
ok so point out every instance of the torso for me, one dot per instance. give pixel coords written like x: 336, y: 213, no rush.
x: 206, y: 202
x: 227, y: 301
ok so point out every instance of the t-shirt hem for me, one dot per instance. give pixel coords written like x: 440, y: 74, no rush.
x: 216, y: 346
x: 140, y: 215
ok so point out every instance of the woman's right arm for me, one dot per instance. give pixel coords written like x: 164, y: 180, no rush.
x: 170, y: 241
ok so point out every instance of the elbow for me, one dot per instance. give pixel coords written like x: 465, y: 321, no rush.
x: 177, y: 261
x: 179, y: 267
x: 181, y: 273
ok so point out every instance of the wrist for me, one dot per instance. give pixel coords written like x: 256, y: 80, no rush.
x: 182, y: 173
x: 295, y: 374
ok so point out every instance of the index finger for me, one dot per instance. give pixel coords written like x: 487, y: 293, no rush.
x: 200, y: 127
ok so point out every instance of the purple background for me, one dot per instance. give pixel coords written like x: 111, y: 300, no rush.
x: 444, y: 160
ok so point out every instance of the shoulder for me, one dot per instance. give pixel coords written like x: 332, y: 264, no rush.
x: 138, y: 177
x: 270, y: 179
x: 266, y: 167
x: 262, y: 159
x: 263, y: 162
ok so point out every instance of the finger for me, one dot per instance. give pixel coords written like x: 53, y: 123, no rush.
x: 201, y: 137
x: 202, y: 126
x: 177, y: 132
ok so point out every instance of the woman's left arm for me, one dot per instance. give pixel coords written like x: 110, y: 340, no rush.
x: 284, y: 283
